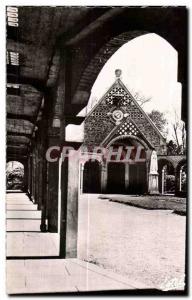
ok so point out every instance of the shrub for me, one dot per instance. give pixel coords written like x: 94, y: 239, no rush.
x: 170, y: 182
x: 15, y: 178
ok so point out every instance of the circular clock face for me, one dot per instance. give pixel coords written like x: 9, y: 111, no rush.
x: 117, y: 115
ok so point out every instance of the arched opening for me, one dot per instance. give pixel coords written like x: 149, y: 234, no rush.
x: 14, y: 175
x: 166, y: 177
x: 128, y: 175
x: 142, y: 68
x: 92, y: 177
x: 181, y: 178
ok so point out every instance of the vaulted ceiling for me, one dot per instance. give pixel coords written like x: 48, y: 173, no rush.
x: 32, y: 65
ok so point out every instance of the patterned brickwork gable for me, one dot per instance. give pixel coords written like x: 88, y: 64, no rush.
x: 118, y: 113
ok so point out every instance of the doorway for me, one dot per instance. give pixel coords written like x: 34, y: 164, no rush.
x: 116, y: 178
x: 92, y: 177
x: 137, y: 179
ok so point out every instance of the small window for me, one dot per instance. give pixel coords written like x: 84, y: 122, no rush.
x: 12, y: 58
x: 12, y: 16
x: 13, y: 89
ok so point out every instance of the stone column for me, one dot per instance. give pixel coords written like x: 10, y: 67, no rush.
x: 37, y: 195
x: 36, y: 175
x: 126, y: 177
x: 81, y: 170
x: 72, y: 206
x: 25, y: 181
x: 69, y: 205
x: 33, y: 176
x: 53, y: 179
x: 44, y: 177
x: 180, y: 179
x: 56, y: 135
x: 29, y: 175
x: 103, y: 178
x: 162, y: 181
x: 44, y: 213
x: 178, y: 175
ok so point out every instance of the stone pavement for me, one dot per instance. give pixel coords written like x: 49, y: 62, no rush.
x: 29, y: 272
x: 60, y: 275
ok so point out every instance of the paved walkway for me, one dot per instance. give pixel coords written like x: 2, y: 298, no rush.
x: 23, y: 230
x: 29, y: 272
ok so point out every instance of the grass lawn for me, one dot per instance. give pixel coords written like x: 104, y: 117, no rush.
x: 178, y: 205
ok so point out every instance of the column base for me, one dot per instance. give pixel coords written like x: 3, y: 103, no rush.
x: 153, y: 188
x: 43, y: 228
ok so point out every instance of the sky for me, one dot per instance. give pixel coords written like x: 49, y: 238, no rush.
x: 149, y: 67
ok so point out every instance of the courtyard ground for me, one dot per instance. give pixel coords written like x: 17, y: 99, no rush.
x: 147, y: 246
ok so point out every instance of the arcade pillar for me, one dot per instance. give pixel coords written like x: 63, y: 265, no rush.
x: 103, y: 178
x: 69, y: 191
x: 52, y: 181
x: 26, y: 176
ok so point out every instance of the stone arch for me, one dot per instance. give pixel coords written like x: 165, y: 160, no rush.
x: 92, y: 68
x: 182, y: 162
x: 167, y: 176
x: 176, y: 161
x: 18, y: 159
x: 142, y: 142
x: 96, y: 64
x: 84, y: 47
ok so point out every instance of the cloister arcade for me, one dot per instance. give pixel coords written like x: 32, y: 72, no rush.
x: 52, y: 64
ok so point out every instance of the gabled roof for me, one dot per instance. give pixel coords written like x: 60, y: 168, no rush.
x: 119, y: 82
x: 101, y: 125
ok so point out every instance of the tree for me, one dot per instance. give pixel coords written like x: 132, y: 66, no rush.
x: 179, y: 135
x: 159, y: 120
x: 141, y: 99
x: 156, y: 116
x: 172, y: 148
x: 14, y: 177
x: 177, y: 145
